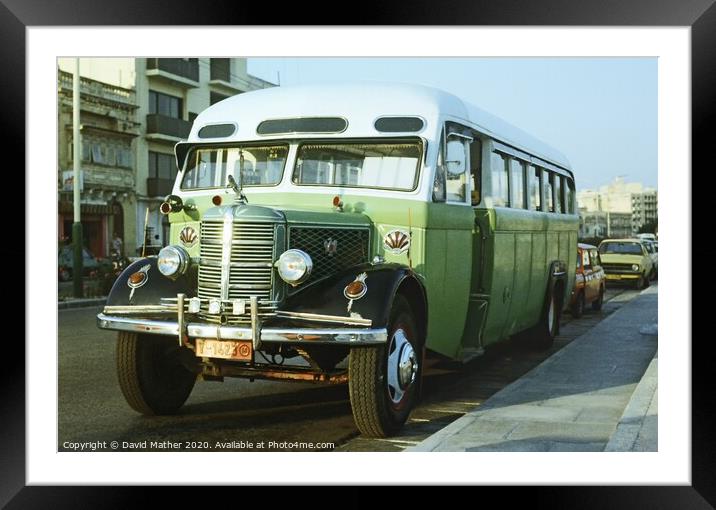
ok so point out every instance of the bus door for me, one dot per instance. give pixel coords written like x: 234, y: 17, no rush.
x: 448, y: 249
x: 479, y: 296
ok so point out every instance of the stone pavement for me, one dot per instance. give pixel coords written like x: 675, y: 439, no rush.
x: 598, y: 393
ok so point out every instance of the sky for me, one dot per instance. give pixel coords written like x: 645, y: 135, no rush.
x: 600, y: 112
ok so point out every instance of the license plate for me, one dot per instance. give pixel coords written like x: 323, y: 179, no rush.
x: 225, y: 349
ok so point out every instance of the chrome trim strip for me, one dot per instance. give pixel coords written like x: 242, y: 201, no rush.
x: 226, y: 239
x: 343, y: 336
x: 350, y: 321
x: 255, y: 323
x: 135, y: 309
x: 180, y: 317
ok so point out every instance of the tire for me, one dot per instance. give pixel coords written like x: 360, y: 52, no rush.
x: 597, y: 304
x: 640, y: 283
x: 578, y: 306
x: 381, y: 397
x: 151, y: 375
x: 541, y: 337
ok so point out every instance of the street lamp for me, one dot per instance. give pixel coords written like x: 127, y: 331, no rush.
x: 77, y: 224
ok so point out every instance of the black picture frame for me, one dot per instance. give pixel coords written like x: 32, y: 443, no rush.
x: 700, y: 15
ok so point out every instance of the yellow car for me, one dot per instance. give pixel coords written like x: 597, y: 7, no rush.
x: 626, y: 260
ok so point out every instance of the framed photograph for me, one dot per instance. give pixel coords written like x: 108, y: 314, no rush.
x: 41, y: 445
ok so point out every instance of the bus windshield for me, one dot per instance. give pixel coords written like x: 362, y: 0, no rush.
x: 621, y: 248
x: 385, y: 165
x: 258, y: 165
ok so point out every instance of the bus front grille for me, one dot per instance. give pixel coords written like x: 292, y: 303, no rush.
x: 250, y: 272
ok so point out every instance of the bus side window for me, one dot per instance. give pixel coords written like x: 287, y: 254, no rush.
x: 570, y: 195
x: 476, y: 171
x: 534, y: 174
x: 557, y: 184
x: 517, y: 184
x: 548, y: 190
x: 498, y: 173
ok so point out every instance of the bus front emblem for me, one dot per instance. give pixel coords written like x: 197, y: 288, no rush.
x: 331, y: 246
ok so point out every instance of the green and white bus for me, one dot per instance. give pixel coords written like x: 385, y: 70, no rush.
x: 372, y: 222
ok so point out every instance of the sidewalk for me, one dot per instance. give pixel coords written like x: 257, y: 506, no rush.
x: 596, y: 394
x: 92, y: 291
x: 80, y: 302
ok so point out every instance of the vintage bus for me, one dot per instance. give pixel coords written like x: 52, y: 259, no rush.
x: 373, y: 222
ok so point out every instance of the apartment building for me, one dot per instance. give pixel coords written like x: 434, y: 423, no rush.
x: 169, y: 94
x: 108, y: 126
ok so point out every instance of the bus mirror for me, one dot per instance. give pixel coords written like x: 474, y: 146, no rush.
x: 456, y: 160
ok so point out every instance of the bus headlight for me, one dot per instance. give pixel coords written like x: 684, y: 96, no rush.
x: 173, y: 261
x: 294, y: 266
x: 635, y: 267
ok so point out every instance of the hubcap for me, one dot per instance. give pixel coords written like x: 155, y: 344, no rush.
x: 402, y: 366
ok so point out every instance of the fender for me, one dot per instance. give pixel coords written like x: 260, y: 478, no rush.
x: 557, y: 273
x: 157, y: 285
x: 326, y: 296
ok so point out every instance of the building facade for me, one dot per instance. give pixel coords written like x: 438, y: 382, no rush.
x: 604, y: 224
x: 618, y: 209
x: 644, y: 207
x: 108, y: 128
x: 169, y: 93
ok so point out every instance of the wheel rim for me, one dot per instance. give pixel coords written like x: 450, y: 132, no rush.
x: 550, y: 315
x: 402, y: 366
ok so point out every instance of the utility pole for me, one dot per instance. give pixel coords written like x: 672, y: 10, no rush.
x: 76, y: 155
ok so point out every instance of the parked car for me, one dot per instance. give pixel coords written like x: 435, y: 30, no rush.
x: 589, y: 283
x: 626, y: 260
x: 91, y: 265
x: 653, y: 249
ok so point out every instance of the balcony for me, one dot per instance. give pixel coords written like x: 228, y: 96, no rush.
x: 161, y: 127
x: 221, y: 69
x: 157, y: 187
x: 175, y: 71
x: 220, y: 77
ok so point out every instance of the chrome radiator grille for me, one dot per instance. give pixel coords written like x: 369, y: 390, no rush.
x: 250, y: 266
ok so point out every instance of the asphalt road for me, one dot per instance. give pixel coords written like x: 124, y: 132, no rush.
x: 240, y: 415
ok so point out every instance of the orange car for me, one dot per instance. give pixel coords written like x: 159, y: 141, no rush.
x: 589, y: 282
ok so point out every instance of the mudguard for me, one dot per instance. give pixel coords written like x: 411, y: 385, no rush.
x: 157, y: 285
x: 557, y: 273
x: 326, y: 296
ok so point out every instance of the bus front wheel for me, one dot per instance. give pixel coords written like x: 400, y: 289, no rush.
x: 151, y: 375
x: 383, y: 381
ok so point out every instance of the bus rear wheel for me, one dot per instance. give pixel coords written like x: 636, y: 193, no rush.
x: 383, y: 381
x: 541, y: 337
x: 151, y: 376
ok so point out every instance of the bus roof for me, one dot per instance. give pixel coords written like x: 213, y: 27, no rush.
x: 361, y: 103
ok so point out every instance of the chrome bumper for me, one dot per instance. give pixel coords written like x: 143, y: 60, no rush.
x: 344, y: 336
